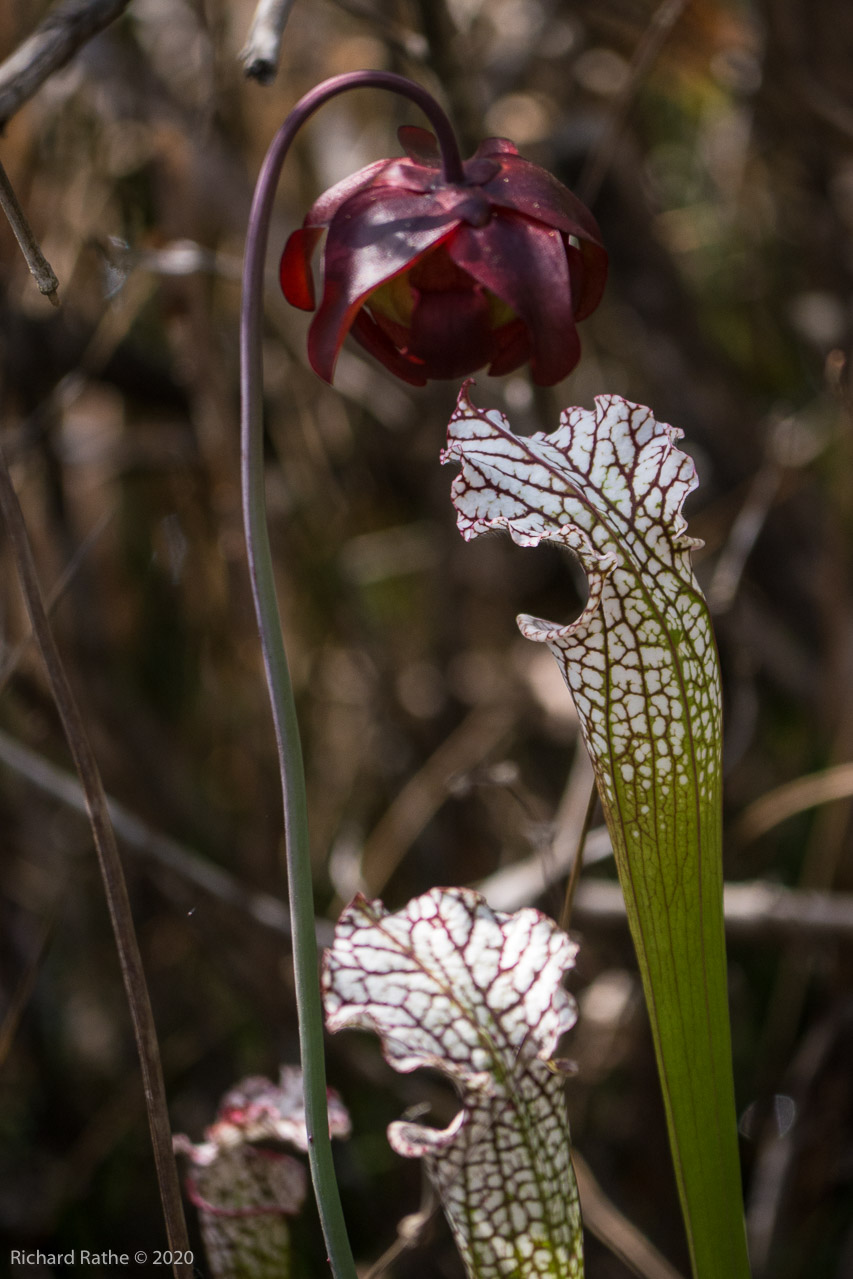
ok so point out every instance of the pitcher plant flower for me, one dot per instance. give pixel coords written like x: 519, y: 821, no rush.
x: 438, y: 273
x: 641, y: 664
x: 439, y: 268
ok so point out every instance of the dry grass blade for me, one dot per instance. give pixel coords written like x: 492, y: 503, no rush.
x: 577, y: 860
x: 21, y: 995
x: 112, y: 874
x: 754, y: 911
x: 479, y: 733
x: 175, y: 858
x: 792, y: 798
x: 604, y: 1220
x: 744, y: 534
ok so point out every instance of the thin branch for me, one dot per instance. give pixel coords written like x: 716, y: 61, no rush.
x: 424, y: 793
x: 113, y: 876
x: 10, y: 660
x: 54, y: 42
x: 141, y: 839
x: 524, y: 881
x: 794, y: 797
x: 603, y: 1219
x: 660, y: 26
x: 263, y: 47
x: 40, y: 268
x: 577, y: 860
x: 789, y: 449
x: 754, y: 911
x: 410, y: 1232
x: 745, y: 531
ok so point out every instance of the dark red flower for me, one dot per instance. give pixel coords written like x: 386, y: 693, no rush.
x: 437, y: 279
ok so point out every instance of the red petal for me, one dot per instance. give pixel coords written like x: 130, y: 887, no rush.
x: 419, y: 145
x: 512, y: 343
x: 367, y: 333
x: 528, y: 189
x: 495, y: 146
x: 452, y: 332
x: 376, y: 235
x: 401, y: 174
x: 525, y: 264
x: 588, y: 266
x: 326, y: 206
x: 297, y: 282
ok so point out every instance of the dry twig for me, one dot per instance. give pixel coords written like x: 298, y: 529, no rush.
x: 754, y: 911
x: 54, y: 42
x: 140, y: 838
x: 660, y: 26
x: 743, y: 536
x: 794, y: 797
x: 113, y: 876
x: 40, y: 268
x: 577, y: 860
x: 423, y: 795
x: 603, y: 1219
x: 263, y: 47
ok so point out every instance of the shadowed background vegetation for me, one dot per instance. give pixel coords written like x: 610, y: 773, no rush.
x: 714, y: 142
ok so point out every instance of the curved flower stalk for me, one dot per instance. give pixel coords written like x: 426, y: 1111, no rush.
x: 245, y: 1192
x: 393, y: 241
x: 451, y: 984
x: 300, y: 888
x: 641, y: 664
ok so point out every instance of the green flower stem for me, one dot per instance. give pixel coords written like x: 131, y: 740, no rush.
x: 305, y: 958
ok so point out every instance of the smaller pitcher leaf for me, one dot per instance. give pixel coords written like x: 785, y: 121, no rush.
x: 641, y: 664
x: 449, y: 983
x: 244, y: 1192
x: 244, y: 1196
x: 256, y: 1109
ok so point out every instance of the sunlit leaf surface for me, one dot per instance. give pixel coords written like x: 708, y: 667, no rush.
x: 450, y: 984
x: 641, y: 664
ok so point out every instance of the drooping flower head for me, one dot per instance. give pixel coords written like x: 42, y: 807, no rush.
x: 438, y: 277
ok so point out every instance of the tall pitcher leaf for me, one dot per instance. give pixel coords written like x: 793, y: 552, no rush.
x: 641, y: 664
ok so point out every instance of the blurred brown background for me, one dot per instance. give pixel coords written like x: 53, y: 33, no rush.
x: 714, y: 141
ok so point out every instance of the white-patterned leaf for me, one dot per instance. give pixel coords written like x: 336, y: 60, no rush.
x: 244, y: 1196
x: 640, y: 660
x: 641, y: 664
x: 244, y: 1192
x: 449, y: 983
x: 256, y: 1109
